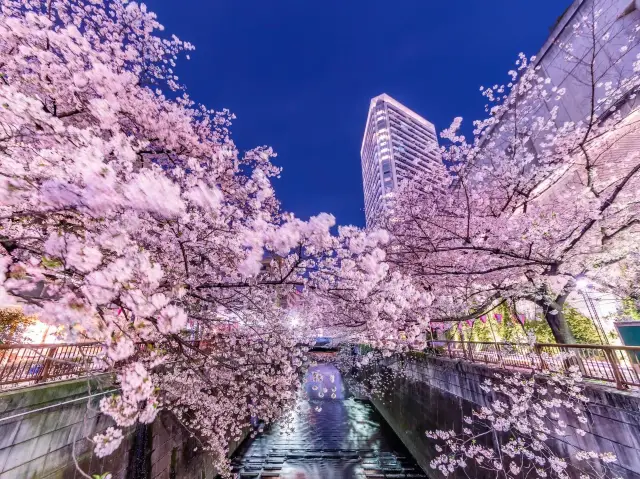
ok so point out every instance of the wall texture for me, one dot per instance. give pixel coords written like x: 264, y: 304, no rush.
x: 435, y: 393
x: 174, y: 454
x: 41, y: 426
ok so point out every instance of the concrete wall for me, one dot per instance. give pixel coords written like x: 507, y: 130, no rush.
x: 436, y: 393
x: 173, y: 453
x: 570, y: 73
x: 40, y: 426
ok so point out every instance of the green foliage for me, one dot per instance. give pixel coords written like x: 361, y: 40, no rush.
x: 13, y: 324
x: 364, y: 348
x: 630, y: 309
x: 452, y: 334
x: 541, y: 329
x: 492, y: 330
x: 582, y: 327
x: 51, y: 263
x: 509, y: 330
x: 481, y: 331
x: 488, y: 331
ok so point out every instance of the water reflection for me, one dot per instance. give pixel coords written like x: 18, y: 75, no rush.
x: 335, y: 437
x: 324, y: 382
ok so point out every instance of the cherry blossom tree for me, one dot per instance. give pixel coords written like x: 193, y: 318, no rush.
x: 128, y: 217
x: 540, y: 198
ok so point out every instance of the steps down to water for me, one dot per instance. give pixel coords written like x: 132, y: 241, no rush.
x: 328, y: 439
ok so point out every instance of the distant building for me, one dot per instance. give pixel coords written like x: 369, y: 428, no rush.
x: 398, y: 144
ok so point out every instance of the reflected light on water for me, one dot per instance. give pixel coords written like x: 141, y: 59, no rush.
x: 339, y: 438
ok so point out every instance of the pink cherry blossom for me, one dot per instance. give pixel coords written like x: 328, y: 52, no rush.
x: 130, y: 218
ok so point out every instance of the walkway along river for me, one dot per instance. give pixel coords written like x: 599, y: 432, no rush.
x: 337, y: 437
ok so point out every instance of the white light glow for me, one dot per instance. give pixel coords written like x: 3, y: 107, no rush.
x: 582, y: 283
x: 294, y: 319
x: 39, y: 332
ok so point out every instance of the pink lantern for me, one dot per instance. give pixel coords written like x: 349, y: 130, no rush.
x: 483, y: 318
x: 522, y: 318
x: 498, y: 317
x: 470, y: 323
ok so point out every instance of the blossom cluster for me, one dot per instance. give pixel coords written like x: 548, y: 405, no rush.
x: 544, y: 194
x: 130, y: 218
x: 108, y: 442
x: 511, y: 435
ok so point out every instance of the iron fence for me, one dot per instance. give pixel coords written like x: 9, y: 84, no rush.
x: 24, y: 364
x: 27, y: 364
x: 616, y: 364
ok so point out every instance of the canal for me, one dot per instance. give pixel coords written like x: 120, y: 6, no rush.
x: 330, y: 435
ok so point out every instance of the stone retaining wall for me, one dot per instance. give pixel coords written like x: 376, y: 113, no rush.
x: 436, y: 393
x: 41, y: 427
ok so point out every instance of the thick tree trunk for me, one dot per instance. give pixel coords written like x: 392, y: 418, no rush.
x: 558, y: 322
x: 559, y: 327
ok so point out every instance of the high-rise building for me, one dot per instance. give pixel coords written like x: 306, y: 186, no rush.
x: 398, y: 144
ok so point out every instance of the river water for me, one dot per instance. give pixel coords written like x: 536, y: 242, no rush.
x: 327, y: 437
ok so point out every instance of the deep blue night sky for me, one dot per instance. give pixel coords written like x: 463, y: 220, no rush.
x: 299, y: 74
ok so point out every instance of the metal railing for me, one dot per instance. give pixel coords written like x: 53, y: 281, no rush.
x: 616, y: 364
x: 25, y: 364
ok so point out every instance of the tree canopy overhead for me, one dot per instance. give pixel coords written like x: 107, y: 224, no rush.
x: 545, y: 194
x: 128, y: 215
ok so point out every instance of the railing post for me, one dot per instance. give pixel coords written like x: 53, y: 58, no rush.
x: 470, y: 346
x: 44, y: 374
x: 500, y: 360
x: 538, y: 349
x: 632, y: 357
x: 576, y: 359
x: 613, y: 362
x: 449, y: 349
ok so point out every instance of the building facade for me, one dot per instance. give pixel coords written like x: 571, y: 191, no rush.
x: 582, y: 63
x: 398, y: 144
x: 573, y: 60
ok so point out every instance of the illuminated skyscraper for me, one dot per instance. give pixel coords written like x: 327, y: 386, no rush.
x: 398, y: 144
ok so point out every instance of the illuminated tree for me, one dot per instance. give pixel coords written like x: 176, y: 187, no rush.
x: 13, y: 324
x: 540, y: 201
x: 128, y: 217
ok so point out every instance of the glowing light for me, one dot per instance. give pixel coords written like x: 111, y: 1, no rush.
x: 39, y: 332
x: 582, y: 283
x: 294, y: 319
